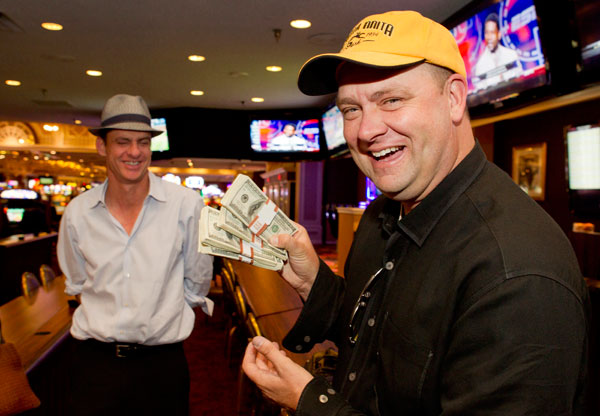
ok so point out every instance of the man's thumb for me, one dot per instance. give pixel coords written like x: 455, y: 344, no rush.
x: 267, y: 348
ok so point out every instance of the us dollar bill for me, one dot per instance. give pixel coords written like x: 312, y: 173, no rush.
x: 249, y: 204
x: 210, y: 234
x: 229, y: 222
x: 216, y: 251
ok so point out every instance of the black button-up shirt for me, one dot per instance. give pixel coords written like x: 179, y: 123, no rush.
x: 480, y: 308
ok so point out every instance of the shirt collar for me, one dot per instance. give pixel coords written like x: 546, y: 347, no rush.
x: 157, y: 191
x: 419, y: 222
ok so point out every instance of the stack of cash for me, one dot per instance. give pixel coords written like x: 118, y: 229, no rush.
x: 240, y: 230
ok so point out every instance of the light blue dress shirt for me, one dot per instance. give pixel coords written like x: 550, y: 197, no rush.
x: 140, y: 287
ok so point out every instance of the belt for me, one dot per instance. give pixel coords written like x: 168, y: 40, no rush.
x: 128, y: 349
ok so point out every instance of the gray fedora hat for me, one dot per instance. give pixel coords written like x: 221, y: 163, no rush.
x: 125, y: 112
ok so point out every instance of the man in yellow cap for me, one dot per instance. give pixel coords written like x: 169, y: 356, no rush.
x: 461, y: 296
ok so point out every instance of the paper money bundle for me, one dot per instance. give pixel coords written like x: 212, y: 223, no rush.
x: 240, y: 230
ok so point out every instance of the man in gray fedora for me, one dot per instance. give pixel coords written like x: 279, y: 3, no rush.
x: 129, y: 249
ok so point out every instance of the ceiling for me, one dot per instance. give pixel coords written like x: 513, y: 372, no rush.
x: 142, y: 48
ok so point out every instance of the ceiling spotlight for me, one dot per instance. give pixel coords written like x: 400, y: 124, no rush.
x: 12, y: 82
x: 52, y: 26
x: 77, y: 121
x: 93, y: 73
x: 196, y: 58
x: 300, y: 24
x: 257, y: 99
x: 196, y: 92
x: 274, y: 68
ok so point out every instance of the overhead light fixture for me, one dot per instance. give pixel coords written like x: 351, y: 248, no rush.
x: 77, y: 121
x: 12, y: 82
x: 196, y: 92
x: 300, y: 24
x: 196, y: 58
x: 94, y: 73
x: 257, y: 99
x: 274, y: 68
x: 52, y: 26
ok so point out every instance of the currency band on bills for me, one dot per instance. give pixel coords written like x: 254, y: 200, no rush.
x: 263, y: 218
x: 246, y: 249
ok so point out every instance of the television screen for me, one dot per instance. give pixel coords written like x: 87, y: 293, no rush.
x: 290, y: 136
x: 587, y: 16
x: 583, y: 157
x: 160, y: 143
x: 333, y: 128
x: 15, y: 214
x: 502, y: 51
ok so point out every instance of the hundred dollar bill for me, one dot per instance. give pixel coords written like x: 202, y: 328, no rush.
x: 210, y: 234
x: 216, y: 251
x: 229, y: 222
x: 247, y: 202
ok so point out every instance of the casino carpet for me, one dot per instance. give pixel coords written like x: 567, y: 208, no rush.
x: 213, y: 383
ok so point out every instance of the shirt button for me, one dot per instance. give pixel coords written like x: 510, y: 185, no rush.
x: 371, y: 321
x: 331, y: 391
x: 307, y: 338
x: 389, y: 265
x: 323, y: 398
x: 298, y: 347
x: 352, y: 376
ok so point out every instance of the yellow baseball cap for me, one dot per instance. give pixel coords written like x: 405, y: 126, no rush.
x: 394, y: 39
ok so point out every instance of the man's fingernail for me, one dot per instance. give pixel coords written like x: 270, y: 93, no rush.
x: 257, y: 341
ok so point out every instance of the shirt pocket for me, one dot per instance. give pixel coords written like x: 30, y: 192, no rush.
x: 403, y: 364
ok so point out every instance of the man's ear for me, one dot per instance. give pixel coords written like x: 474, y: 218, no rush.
x: 457, y: 96
x: 101, y: 146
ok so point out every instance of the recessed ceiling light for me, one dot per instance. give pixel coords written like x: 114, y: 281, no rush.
x: 52, y: 26
x: 12, y: 82
x: 300, y: 24
x: 77, y: 121
x: 196, y: 58
x: 196, y: 92
x: 257, y: 99
x: 94, y: 73
x: 274, y: 68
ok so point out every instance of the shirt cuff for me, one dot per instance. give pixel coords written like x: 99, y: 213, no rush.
x: 319, y: 399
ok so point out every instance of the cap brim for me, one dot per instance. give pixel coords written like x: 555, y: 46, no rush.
x: 318, y: 75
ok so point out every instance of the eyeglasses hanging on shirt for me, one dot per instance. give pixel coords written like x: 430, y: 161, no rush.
x: 360, y: 306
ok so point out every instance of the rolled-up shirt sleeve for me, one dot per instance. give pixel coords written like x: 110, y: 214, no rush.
x: 70, y: 259
x: 198, y: 267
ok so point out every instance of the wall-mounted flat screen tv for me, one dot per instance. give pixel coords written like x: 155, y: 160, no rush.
x: 333, y: 129
x: 502, y: 50
x: 583, y: 157
x: 285, y: 136
x: 587, y: 18
x: 160, y: 143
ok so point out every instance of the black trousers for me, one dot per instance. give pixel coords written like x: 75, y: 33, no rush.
x: 143, y: 381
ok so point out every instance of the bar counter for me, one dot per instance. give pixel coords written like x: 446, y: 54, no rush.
x: 275, y: 304
x: 37, y: 324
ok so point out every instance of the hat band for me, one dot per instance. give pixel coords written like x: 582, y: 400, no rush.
x: 126, y: 117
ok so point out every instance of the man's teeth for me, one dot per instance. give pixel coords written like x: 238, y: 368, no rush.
x: 132, y: 163
x: 385, y: 151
